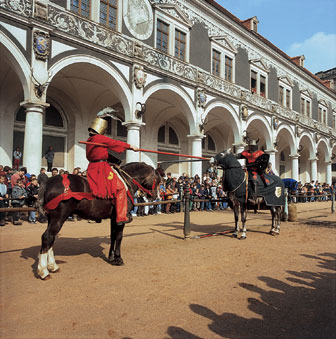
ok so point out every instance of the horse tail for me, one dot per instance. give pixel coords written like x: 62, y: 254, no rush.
x: 40, y: 199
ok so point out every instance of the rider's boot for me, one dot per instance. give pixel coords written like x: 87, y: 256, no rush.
x: 121, y: 206
x: 253, y: 198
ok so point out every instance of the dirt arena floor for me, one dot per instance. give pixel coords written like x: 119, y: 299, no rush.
x: 214, y: 287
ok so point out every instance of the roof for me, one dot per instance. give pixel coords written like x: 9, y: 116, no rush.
x: 267, y: 42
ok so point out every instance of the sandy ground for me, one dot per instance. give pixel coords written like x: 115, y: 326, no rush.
x: 215, y: 287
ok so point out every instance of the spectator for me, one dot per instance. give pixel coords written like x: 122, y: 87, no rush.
x: 3, y: 195
x: 18, y: 175
x: 54, y: 172
x: 17, y: 156
x: 32, y: 195
x: 49, y: 155
x: 19, y: 194
x: 42, y: 177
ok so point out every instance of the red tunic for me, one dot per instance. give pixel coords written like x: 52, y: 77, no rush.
x: 102, y: 180
x: 251, y: 158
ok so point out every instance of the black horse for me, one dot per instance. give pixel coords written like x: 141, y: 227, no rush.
x: 235, y: 182
x: 94, y: 209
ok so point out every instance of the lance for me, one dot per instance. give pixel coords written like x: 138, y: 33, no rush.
x: 147, y: 151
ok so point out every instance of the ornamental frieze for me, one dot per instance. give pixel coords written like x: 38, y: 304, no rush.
x: 89, y: 31
x: 21, y: 7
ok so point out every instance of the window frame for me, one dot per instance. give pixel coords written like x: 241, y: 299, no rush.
x: 287, y: 88
x: 323, y: 110
x: 91, y: 9
x: 173, y: 26
x: 258, y: 67
x: 223, y: 54
x: 108, y: 6
x: 307, y: 103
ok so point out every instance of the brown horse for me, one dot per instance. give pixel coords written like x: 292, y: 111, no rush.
x: 94, y: 209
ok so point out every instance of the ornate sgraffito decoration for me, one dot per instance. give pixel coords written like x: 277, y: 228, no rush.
x: 41, y: 45
x: 40, y: 10
x: 22, y: 7
x: 201, y: 97
x: 139, y: 77
x: 65, y: 22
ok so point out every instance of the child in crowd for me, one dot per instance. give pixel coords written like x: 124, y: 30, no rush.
x: 19, y: 194
x: 3, y: 195
x: 32, y: 195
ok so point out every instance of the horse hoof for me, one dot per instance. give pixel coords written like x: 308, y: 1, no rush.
x: 242, y: 237
x: 117, y: 262
x: 274, y: 233
x: 48, y: 277
x: 56, y: 271
x: 234, y: 235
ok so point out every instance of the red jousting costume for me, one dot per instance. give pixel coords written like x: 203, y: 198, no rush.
x: 103, y: 179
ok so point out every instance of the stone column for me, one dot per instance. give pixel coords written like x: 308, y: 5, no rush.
x: 32, y: 152
x: 271, y: 153
x: 295, y: 167
x: 133, y: 138
x: 196, y: 150
x: 313, y: 174
x: 328, y: 173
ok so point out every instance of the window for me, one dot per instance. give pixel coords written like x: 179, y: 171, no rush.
x: 254, y: 82
x: 281, y: 95
x: 81, y: 7
x: 262, y: 85
x: 223, y: 58
x: 216, y: 61
x: 162, y: 36
x: 208, y: 144
x: 228, y: 68
x: 108, y: 13
x: 288, y: 98
x: 285, y: 92
x: 171, y: 36
x: 180, y: 44
x: 305, y: 106
x: 167, y: 135
x: 322, y: 114
x: 333, y: 121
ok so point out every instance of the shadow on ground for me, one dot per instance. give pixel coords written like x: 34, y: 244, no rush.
x: 304, y: 309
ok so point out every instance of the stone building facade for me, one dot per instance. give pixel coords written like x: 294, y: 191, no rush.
x: 208, y: 80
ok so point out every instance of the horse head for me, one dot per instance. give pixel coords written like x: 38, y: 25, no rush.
x: 221, y: 158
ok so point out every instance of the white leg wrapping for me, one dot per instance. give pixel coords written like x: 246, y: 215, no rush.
x: 42, y: 269
x: 52, y: 266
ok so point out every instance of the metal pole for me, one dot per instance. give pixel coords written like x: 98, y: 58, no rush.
x: 186, y: 229
x: 333, y: 200
x: 285, y: 212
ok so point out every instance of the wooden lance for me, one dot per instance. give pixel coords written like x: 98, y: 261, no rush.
x: 148, y: 151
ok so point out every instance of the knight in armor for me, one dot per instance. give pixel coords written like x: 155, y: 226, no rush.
x: 104, y: 180
x: 256, y: 163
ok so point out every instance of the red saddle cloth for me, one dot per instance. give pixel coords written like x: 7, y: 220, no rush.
x: 66, y: 195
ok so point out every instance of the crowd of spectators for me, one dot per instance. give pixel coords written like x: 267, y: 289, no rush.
x: 172, y: 188
x: 311, y: 192
x: 19, y: 188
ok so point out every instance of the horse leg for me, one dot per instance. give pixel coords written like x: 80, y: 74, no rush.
x: 116, y: 238
x: 276, y: 218
x: 243, y: 220
x: 236, y: 217
x: 46, y: 257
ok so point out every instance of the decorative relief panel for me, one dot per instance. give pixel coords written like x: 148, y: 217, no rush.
x: 89, y: 31
x: 21, y: 7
